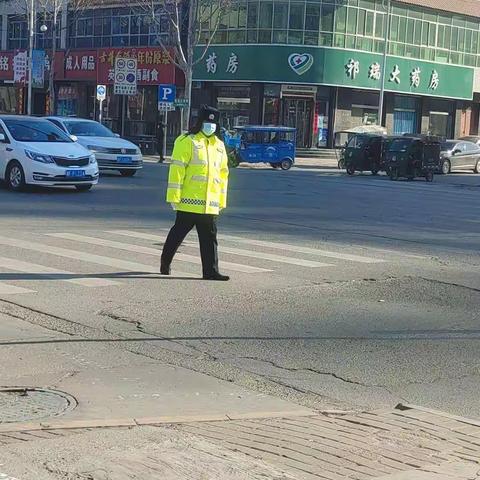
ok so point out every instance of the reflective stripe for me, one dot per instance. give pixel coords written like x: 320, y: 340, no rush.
x: 178, y: 163
x: 223, y: 191
x: 197, y: 161
x: 177, y: 186
x: 199, y: 178
x: 214, y: 204
x: 217, y: 181
x: 193, y: 201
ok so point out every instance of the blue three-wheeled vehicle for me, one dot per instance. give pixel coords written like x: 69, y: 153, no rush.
x: 262, y: 144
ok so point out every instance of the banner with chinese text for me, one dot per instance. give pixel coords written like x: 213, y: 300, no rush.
x: 336, y: 67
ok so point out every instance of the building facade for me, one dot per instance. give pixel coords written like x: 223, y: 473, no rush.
x: 318, y: 65
x: 87, y: 44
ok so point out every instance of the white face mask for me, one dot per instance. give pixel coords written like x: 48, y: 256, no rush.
x: 209, y: 128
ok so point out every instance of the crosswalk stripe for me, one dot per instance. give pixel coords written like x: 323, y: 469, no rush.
x: 297, y: 248
x: 27, y: 267
x: 238, y: 251
x: 150, y: 251
x: 83, y: 256
x: 6, y: 289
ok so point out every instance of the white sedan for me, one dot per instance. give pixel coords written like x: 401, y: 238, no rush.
x: 111, y: 151
x: 33, y: 151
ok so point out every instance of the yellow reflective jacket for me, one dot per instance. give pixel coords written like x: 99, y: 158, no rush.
x: 198, y: 177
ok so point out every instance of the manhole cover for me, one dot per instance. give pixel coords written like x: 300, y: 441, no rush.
x: 20, y: 404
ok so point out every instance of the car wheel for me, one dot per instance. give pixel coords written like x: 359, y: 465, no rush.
x: 350, y: 169
x: 429, y: 176
x: 84, y: 188
x: 130, y: 172
x: 477, y: 167
x: 286, y: 164
x: 374, y: 171
x: 446, y: 167
x: 15, y: 176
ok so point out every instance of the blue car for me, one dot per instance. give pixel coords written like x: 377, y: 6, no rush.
x: 263, y: 144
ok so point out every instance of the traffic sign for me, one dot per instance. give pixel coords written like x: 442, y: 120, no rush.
x: 166, y: 106
x: 101, y: 92
x: 125, y: 79
x: 166, y: 93
x: 181, y: 102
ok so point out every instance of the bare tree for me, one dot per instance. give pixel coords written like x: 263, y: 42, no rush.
x: 181, y: 26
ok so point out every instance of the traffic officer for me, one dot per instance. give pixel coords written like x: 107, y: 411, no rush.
x: 197, y: 191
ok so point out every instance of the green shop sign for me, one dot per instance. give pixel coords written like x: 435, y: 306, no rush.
x: 330, y: 66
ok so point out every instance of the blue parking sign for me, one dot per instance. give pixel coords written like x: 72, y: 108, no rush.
x: 167, y: 93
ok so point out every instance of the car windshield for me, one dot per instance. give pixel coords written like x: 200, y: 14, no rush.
x: 358, y: 141
x: 448, y: 146
x: 400, y: 145
x: 88, y: 129
x: 24, y: 130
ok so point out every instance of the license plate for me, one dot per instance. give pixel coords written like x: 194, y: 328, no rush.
x: 124, y: 159
x: 75, y: 173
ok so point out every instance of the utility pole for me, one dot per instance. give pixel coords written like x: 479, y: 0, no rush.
x: 31, y: 33
x: 384, y: 63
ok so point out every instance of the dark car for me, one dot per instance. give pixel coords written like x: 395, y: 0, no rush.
x: 459, y: 155
x: 472, y: 138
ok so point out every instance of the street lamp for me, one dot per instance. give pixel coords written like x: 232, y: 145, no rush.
x: 387, y: 6
x: 31, y: 33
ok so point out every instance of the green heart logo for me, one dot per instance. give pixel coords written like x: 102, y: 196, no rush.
x: 300, y: 62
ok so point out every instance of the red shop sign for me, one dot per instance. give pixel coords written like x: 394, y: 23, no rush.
x: 154, y: 65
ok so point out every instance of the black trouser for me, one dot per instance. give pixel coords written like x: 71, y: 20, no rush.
x: 206, y: 226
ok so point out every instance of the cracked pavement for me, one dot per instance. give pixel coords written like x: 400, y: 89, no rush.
x: 353, y: 336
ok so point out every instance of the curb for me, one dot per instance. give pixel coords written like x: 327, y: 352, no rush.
x: 409, y: 406
x: 144, y: 421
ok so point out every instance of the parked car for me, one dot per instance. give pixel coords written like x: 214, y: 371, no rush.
x: 459, y: 155
x: 111, y: 151
x: 33, y: 151
x: 472, y: 138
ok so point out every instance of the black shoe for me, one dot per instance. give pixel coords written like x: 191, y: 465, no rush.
x: 164, y: 270
x: 217, y: 277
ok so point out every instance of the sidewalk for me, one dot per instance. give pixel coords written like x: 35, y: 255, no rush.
x: 300, y: 162
x: 102, y: 412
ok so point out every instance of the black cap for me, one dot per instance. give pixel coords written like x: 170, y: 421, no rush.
x: 208, y: 114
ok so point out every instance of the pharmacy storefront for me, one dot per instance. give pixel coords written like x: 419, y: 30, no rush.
x: 322, y: 90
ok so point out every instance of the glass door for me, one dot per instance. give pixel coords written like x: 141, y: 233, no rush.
x: 298, y: 113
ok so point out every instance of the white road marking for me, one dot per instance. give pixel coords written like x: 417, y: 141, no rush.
x: 27, y: 267
x: 259, y: 243
x: 151, y: 251
x: 85, y: 257
x: 6, y: 289
x: 236, y: 251
x: 297, y: 248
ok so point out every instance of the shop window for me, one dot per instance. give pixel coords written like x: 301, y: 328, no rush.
x: 394, y: 25
x: 365, y: 115
x: 311, y: 38
x: 280, y: 18
x: 242, y: 16
x: 280, y: 36
x: 350, y: 41
x: 339, y: 41
x: 379, y: 21
x: 340, y: 19
x: 295, y: 37
x: 252, y: 17
x: 352, y: 20
x: 409, y: 33
x: 312, y: 17
x: 326, y: 40
x: 369, y: 21
x: 297, y: 16
x: 439, y: 124
x: 264, y: 36
x: 432, y: 35
x: 266, y: 15
x: 236, y: 36
x: 327, y: 17
x: 252, y: 36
